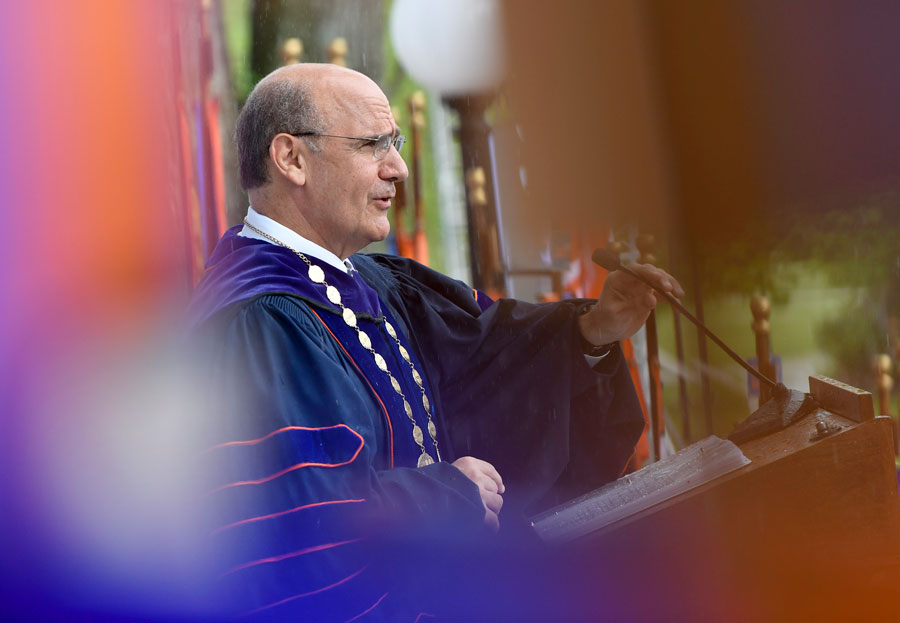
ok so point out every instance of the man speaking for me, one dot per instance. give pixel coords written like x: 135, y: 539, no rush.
x: 372, y: 402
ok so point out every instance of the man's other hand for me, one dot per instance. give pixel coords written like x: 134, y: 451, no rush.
x: 625, y: 303
x: 490, y: 486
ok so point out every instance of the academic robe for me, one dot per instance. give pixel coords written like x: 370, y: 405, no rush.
x: 315, y: 481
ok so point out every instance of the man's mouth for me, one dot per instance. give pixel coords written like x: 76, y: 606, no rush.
x: 384, y: 201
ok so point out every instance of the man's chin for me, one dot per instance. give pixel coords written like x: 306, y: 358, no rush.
x: 377, y: 234
x: 381, y: 231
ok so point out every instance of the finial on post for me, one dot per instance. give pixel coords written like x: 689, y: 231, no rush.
x: 337, y: 51
x: 291, y: 51
x: 416, y: 106
x: 761, y: 309
x: 618, y: 247
x: 488, y: 245
x: 885, y: 382
x: 401, y: 233
x: 417, y: 109
x: 646, y: 244
x: 475, y: 182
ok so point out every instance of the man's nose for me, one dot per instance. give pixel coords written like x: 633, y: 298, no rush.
x: 393, y: 167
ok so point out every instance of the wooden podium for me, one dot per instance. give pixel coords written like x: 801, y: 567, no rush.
x: 809, y: 530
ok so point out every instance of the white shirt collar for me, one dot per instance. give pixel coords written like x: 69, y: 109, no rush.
x: 291, y: 239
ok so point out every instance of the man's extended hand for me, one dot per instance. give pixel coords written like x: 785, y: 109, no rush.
x: 625, y: 303
x: 490, y: 486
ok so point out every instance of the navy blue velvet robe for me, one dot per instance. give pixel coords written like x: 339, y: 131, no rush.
x: 315, y: 483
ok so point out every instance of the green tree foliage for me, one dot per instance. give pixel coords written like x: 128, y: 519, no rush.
x: 855, y: 244
x: 858, y: 247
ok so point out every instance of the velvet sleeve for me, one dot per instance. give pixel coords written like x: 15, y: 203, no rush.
x: 514, y: 386
x: 304, y: 503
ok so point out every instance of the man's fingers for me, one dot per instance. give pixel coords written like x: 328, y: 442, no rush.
x: 476, y: 470
x: 677, y: 290
x: 661, y: 278
x: 492, y: 501
x: 632, y: 290
x: 491, y: 472
x: 490, y: 487
x: 487, y: 483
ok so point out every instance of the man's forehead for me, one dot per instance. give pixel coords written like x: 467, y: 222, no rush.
x: 345, y: 99
x: 355, y: 87
x: 314, y: 72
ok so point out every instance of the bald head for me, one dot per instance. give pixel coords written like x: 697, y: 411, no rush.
x: 334, y: 188
x: 313, y: 72
x: 289, y: 100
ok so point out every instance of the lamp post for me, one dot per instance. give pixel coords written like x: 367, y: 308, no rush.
x: 455, y: 49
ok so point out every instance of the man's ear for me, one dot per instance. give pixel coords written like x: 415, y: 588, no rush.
x: 284, y: 152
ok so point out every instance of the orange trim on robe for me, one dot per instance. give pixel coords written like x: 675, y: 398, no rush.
x: 280, y: 557
x: 280, y: 513
x: 251, y: 442
x: 292, y: 468
x: 301, y: 595
x: 367, y: 610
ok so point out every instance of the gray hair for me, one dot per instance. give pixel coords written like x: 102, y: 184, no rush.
x: 274, y: 106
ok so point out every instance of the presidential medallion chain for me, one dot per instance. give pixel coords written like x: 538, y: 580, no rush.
x: 317, y: 275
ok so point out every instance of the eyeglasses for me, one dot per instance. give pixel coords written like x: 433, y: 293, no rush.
x: 380, y: 144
